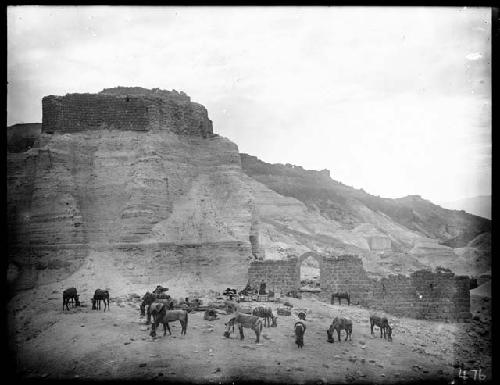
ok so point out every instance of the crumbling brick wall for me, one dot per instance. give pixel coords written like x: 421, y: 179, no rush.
x: 344, y: 273
x: 277, y: 274
x: 423, y: 295
x: 124, y: 108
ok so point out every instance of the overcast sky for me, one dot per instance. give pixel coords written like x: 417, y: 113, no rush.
x: 396, y: 101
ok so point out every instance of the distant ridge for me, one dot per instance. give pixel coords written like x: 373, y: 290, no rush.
x: 479, y: 205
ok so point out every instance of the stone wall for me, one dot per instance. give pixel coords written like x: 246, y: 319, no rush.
x: 423, y: 295
x: 344, y: 273
x: 124, y: 108
x: 279, y: 275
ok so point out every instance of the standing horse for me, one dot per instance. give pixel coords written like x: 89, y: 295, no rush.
x: 100, y: 295
x: 383, y: 324
x: 300, y: 329
x: 248, y: 321
x: 162, y: 315
x: 72, y: 294
x: 340, y: 296
x: 339, y: 324
x: 267, y: 314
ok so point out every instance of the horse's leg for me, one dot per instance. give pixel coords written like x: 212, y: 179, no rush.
x: 371, y: 326
x: 346, y: 334
x: 381, y: 331
x: 338, y: 334
x: 257, y: 334
x: 240, y: 327
x: 168, y: 327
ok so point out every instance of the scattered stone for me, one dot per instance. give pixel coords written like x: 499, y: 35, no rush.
x: 288, y: 369
x: 82, y: 325
x: 142, y: 365
x: 382, y: 375
x: 217, y: 370
x: 160, y: 374
x: 154, y: 355
x: 115, y: 324
x: 44, y: 375
x: 299, y: 369
x: 126, y: 343
x: 325, y: 366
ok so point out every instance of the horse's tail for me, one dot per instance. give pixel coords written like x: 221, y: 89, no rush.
x: 186, y: 323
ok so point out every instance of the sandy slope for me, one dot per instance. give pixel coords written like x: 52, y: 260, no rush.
x: 97, y: 345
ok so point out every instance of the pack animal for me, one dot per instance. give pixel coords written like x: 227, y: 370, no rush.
x: 72, y: 294
x: 300, y: 329
x: 244, y: 321
x: 339, y: 324
x: 100, y: 295
x: 160, y: 314
x: 383, y: 324
x: 340, y: 296
x: 267, y: 314
x: 149, y: 299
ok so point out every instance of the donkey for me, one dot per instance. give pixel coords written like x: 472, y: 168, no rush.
x: 248, y: 321
x: 100, y: 295
x: 267, y: 314
x: 72, y: 294
x: 340, y: 296
x: 300, y: 329
x: 339, y: 324
x: 162, y: 315
x: 383, y: 324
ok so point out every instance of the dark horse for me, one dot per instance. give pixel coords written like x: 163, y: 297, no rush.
x: 100, y: 295
x: 162, y: 315
x: 383, y: 324
x: 339, y: 324
x: 300, y: 329
x: 72, y: 294
x: 340, y: 296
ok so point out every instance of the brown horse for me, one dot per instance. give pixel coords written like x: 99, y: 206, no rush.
x: 300, y: 329
x: 383, y: 324
x: 339, y: 324
x: 162, y: 315
x: 242, y: 320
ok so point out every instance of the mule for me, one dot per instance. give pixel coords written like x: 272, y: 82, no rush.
x: 267, y: 314
x: 100, y: 295
x: 162, y: 315
x: 383, y: 324
x: 339, y: 324
x: 72, y: 294
x: 340, y: 296
x: 300, y: 329
x: 244, y: 321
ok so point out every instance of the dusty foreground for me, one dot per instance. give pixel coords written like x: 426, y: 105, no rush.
x: 89, y: 344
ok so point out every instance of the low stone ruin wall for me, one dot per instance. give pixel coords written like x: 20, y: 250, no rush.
x: 423, y: 295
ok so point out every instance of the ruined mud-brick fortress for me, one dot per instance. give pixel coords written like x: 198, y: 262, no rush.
x: 423, y: 295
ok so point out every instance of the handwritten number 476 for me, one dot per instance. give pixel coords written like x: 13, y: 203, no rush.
x: 463, y: 374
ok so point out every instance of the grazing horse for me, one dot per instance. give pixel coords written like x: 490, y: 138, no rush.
x: 300, y: 329
x: 72, y: 294
x: 340, y: 296
x: 100, y: 295
x: 248, y: 321
x: 383, y: 324
x: 162, y: 315
x: 267, y: 314
x: 339, y: 324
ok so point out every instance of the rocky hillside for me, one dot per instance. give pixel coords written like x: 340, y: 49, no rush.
x: 97, y: 200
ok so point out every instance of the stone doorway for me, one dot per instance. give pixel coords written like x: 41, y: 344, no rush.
x: 309, y: 268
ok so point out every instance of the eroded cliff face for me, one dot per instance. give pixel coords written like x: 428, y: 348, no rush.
x: 145, y: 193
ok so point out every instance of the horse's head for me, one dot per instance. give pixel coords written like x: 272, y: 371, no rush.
x: 329, y: 334
x: 77, y: 300
x: 389, y: 333
x: 229, y: 325
x: 274, y: 321
x: 302, y: 316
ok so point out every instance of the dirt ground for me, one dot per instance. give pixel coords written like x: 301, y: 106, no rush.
x: 88, y: 344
